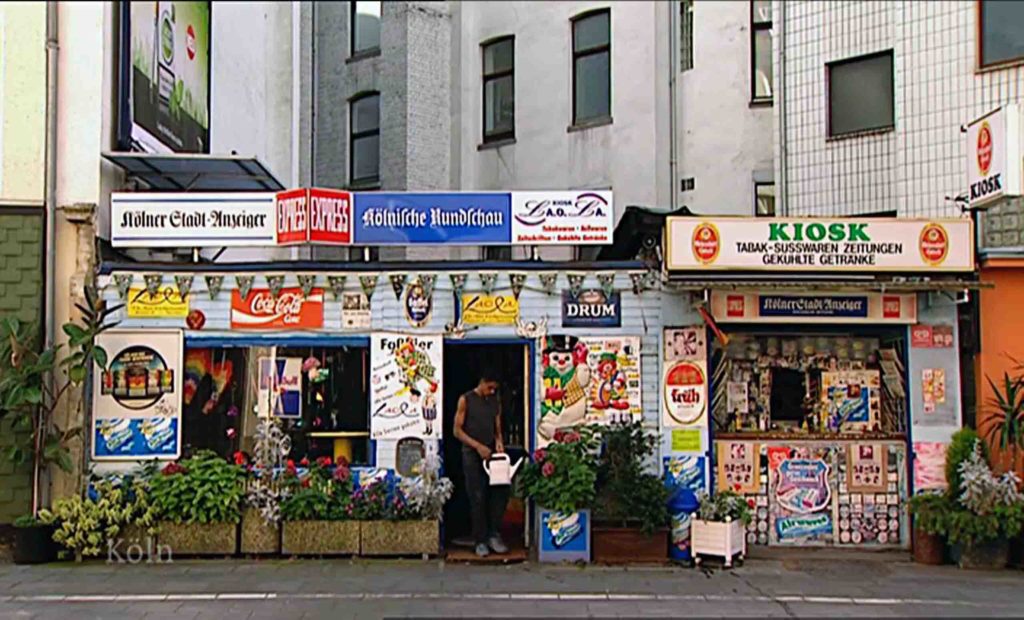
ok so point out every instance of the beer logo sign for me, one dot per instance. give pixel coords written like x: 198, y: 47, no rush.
x: 984, y: 148
x: 934, y: 244
x: 685, y: 393
x: 706, y: 243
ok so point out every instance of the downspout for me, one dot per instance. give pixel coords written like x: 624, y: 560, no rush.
x: 783, y: 188
x: 672, y: 51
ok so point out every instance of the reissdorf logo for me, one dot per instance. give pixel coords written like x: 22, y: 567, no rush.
x: 891, y: 307
x: 984, y: 148
x: 706, y: 243
x: 934, y: 244
x: 735, y: 305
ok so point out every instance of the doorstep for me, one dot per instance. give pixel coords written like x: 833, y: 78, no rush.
x: 826, y: 554
x: 515, y: 555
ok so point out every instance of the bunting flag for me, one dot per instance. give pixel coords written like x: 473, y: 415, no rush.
x: 576, y: 283
x: 369, y: 285
x: 337, y: 284
x: 306, y: 282
x: 398, y: 281
x: 275, y: 284
x: 184, y: 284
x: 607, y: 282
x: 518, y: 281
x: 153, y: 281
x: 638, y: 282
x: 548, y: 282
x: 458, y: 283
x: 123, y: 281
x: 244, y: 285
x: 427, y: 281
x: 487, y: 281
x: 213, y: 285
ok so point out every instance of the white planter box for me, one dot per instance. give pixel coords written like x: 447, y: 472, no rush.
x: 720, y: 539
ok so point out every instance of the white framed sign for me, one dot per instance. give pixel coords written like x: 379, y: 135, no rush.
x: 563, y: 218
x: 192, y: 220
x: 406, y: 386
x: 137, y: 397
x: 739, y: 307
x: 819, y: 244
x: 684, y: 394
x: 994, y: 156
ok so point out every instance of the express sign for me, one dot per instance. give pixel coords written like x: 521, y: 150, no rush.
x: 819, y: 244
x: 314, y: 216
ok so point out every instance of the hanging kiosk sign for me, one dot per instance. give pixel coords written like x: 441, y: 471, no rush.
x: 994, y: 156
x: 137, y: 402
x: 817, y: 244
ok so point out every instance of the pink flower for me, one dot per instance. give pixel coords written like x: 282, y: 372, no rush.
x: 548, y: 469
x: 572, y: 437
x: 341, y: 473
x: 540, y: 454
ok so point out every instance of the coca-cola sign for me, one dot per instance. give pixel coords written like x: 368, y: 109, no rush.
x: 562, y: 218
x: 289, y: 310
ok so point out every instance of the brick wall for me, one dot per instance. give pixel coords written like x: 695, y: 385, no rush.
x: 21, y: 294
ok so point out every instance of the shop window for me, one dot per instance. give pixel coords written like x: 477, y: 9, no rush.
x: 1000, y: 33
x: 762, y: 80
x: 860, y: 94
x: 364, y: 140
x: 213, y: 400
x: 365, y: 26
x: 764, y: 199
x: 499, y: 89
x: 591, y: 67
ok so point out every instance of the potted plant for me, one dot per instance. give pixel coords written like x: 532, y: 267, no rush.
x: 1004, y: 429
x: 33, y: 541
x: 317, y: 510
x: 630, y: 510
x: 198, y: 501
x: 718, y: 528
x: 412, y: 514
x: 560, y: 479
x: 33, y: 385
x: 930, y: 511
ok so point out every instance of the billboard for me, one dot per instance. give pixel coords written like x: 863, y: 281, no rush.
x: 165, y: 77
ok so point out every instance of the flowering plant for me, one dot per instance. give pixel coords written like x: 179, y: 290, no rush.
x: 371, y: 502
x: 725, y: 505
x: 322, y: 492
x: 425, y: 494
x: 561, y: 477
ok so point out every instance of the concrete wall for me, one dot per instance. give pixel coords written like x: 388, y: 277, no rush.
x: 23, y: 97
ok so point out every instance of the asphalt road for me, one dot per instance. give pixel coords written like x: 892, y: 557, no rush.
x: 224, y: 590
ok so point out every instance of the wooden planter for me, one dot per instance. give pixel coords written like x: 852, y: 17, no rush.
x: 928, y: 548
x: 722, y: 539
x: 258, y: 536
x: 198, y: 539
x: 320, y: 537
x: 991, y: 555
x: 394, y: 538
x: 563, y: 537
x: 627, y: 545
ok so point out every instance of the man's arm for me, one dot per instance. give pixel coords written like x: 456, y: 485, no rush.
x: 460, y: 419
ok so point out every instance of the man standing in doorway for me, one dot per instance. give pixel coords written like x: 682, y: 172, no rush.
x: 478, y: 427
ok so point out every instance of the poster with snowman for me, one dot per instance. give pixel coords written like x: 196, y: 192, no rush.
x: 405, y: 386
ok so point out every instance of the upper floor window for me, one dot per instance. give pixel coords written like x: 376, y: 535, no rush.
x: 364, y: 139
x: 365, y: 26
x: 761, y: 86
x: 764, y: 199
x: 591, y: 67
x: 1000, y: 32
x: 685, y: 35
x: 499, y: 89
x: 860, y: 94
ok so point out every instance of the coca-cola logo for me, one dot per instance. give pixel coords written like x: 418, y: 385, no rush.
x: 265, y: 304
x: 261, y: 309
x: 588, y: 205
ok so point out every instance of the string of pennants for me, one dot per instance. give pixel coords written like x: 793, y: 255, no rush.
x: 336, y: 283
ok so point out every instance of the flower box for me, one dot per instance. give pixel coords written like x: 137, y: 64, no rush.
x: 259, y: 537
x: 723, y: 539
x: 628, y: 545
x: 198, y: 538
x: 320, y: 537
x: 563, y: 537
x: 396, y: 538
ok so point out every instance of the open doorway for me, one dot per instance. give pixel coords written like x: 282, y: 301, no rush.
x: 462, y: 363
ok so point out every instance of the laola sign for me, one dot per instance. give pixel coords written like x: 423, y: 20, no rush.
x: 817, y: 244
x: 994, y: 156
x: 313, y: 216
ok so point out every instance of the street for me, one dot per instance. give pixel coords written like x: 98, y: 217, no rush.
x: 358, y: 589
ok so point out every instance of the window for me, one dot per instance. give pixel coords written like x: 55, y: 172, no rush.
x: 860, y: 94
x: 498, y: 252
x: 365, y: 26
x: 591, y: 67
x: 364, y: 142
x: 685, y: 35
x: 1000, y: 33
x: 499, y: 89
x: 761, y: 50
x: 764, y: 199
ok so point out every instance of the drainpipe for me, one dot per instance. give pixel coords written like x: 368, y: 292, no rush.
x: 783, y: 188
x: 672, y: 51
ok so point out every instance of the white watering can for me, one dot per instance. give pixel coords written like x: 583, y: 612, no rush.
x: 500, y: 468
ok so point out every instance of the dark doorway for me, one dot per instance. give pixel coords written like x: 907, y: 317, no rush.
x: 462, y: 365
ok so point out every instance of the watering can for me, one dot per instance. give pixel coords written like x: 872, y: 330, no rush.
x: 500, y: 468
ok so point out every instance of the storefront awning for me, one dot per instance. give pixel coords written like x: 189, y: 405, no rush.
x: 190, y: 172
x: 907, y: 285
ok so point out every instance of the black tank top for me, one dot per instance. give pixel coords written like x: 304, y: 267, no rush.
x: 481, y: 417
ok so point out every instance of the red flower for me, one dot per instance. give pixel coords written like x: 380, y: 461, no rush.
x: 548, y: 469
x: 324, y: 461
x: 305, y: 483
x: 341, y: 473
x: 290, y: 464
x: 172, y: 468
x: 342, y: 461
x: 540, y: 454
x: 239, y: 458
x: 304, y: 462
x: 559, y: 435
x: 572, y: 437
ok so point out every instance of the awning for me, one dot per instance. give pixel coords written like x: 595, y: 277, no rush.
x: 830, y: 285
x: 192, y: 172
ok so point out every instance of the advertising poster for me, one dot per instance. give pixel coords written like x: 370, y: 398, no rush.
x: 685, y: 472
x: 559, y: 218
x: 564, y: 532
x: 687, y: 439
x: 280, y: 391
x: 929, y: 466
x: 137, y: 404
x: 686, y: 343
x: 614, y: 391
x: 480, y: 309
x: 405, y: 386
x: 853, y: 398
x: 355, y: 311
x: 737, y: 397
x: 801, y: 481
x: 591, y: 308
x: 866, y: 468
x: 738, y: 467
x: 566, y: 388
x: 417, y: 305
x: 191, y: 220
x: 684, y: 394
x: 166, y: 304
x: 463, y: 218
x: 289, y: 310
x: 168, y: 76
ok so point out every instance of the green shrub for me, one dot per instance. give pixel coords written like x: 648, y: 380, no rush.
x: 202, y: 489
x: 562, y: 475
x: 960, y: 449
x: 626, y: 491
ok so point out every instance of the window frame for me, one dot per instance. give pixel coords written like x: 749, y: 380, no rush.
x: 590, y: 51
x: 353, y: 136
x: 369, y: 51
x: 755, y: 27
x: 759, y: 184
x: 829, y: 135
x: 979, y: 46
x: 486, y: 78
x: 686, y: 35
